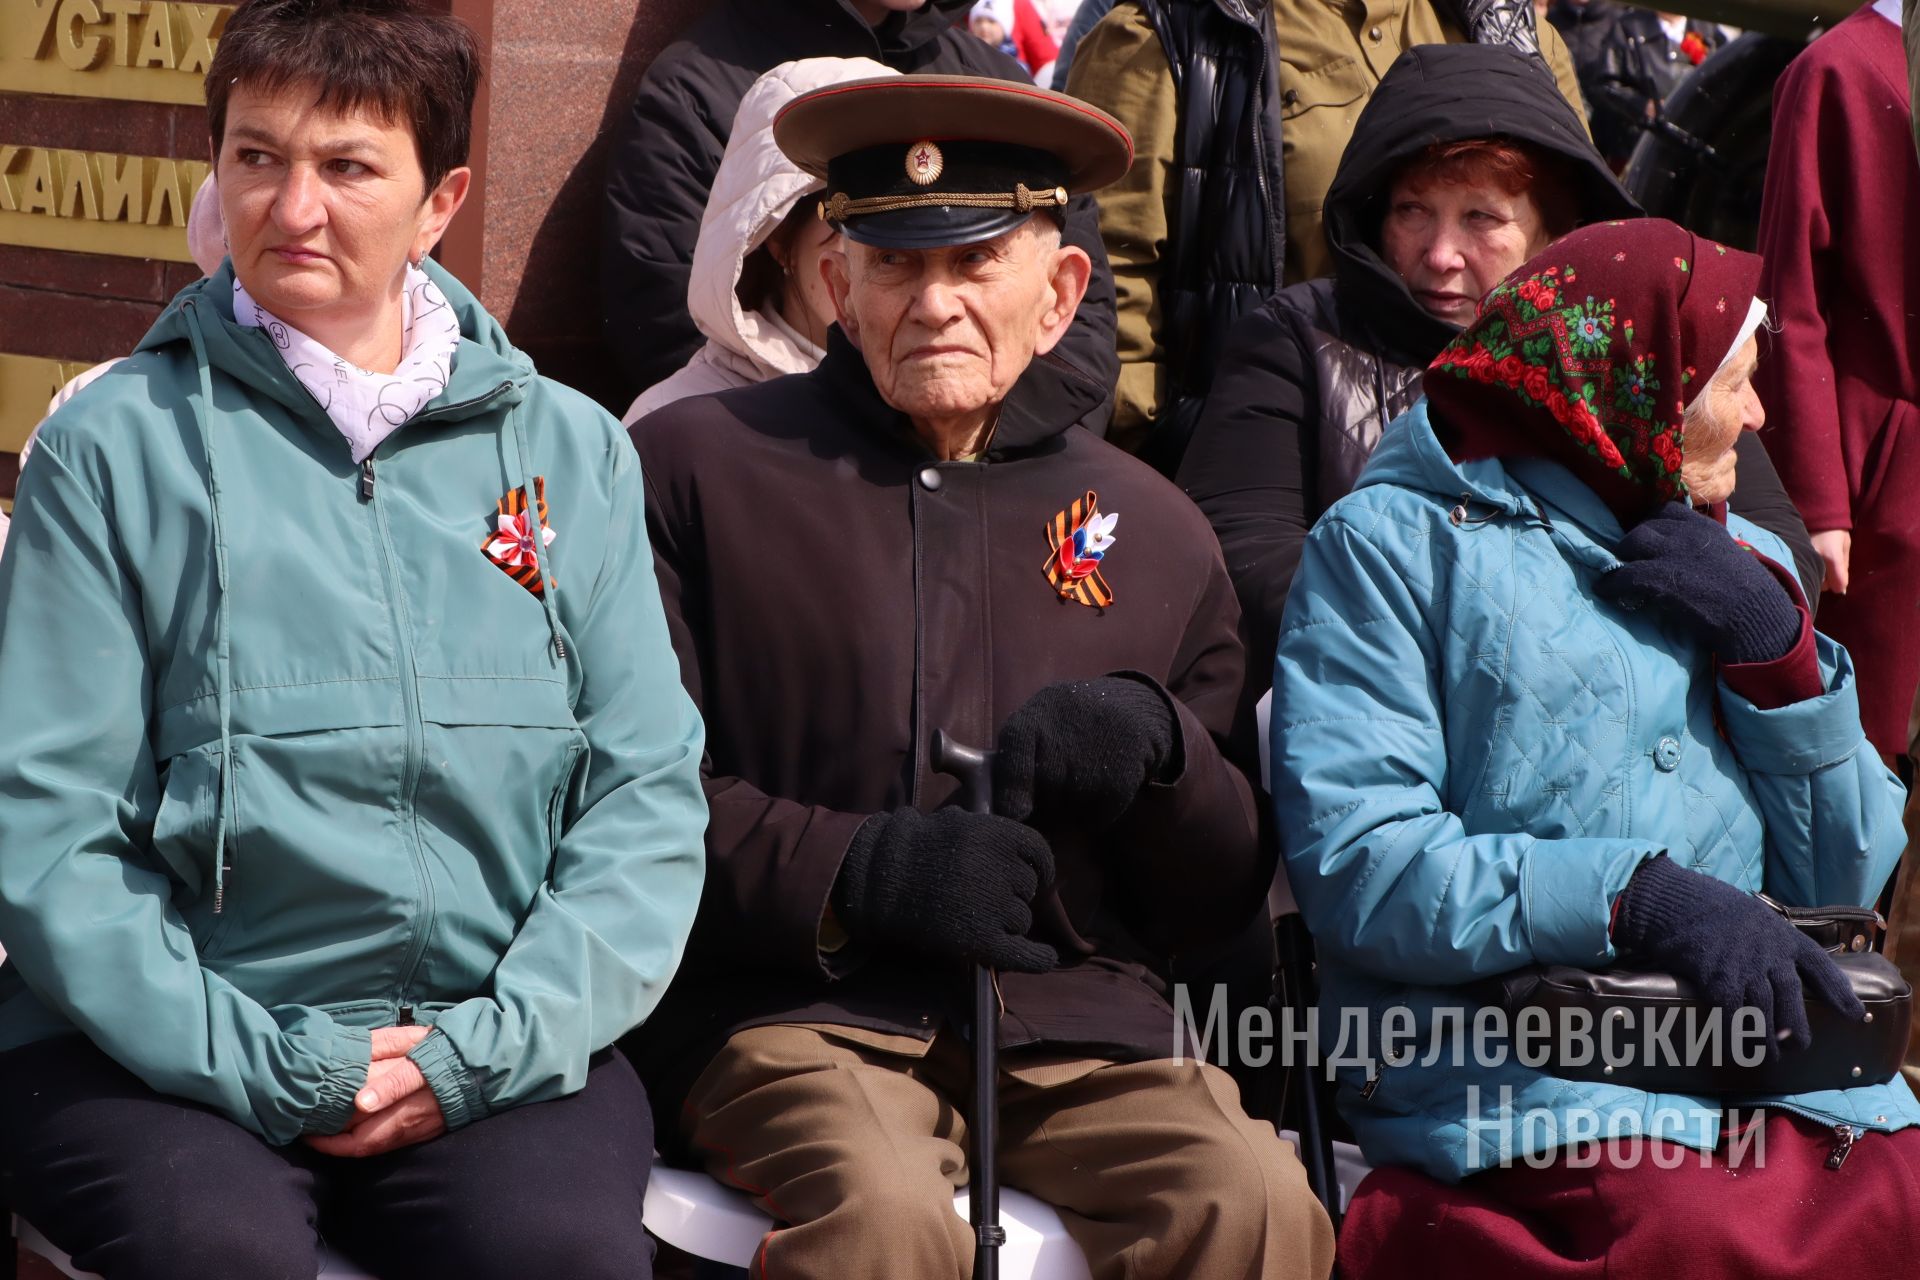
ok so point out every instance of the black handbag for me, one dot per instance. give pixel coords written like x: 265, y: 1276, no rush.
x: 1843, y: 1053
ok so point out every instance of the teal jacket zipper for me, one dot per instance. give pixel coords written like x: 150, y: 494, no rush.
x: 416, y: 732
x: 416, y: 720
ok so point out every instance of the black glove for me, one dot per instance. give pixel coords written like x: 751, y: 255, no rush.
x: 1082, y: 750
x: 947, y: 883
x: 1684, y: 563
x: 1739, y: 951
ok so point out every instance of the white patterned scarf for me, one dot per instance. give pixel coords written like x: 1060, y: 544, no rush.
x: 367, y: 407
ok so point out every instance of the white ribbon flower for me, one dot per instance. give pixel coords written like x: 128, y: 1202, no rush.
x: 1099, y: 531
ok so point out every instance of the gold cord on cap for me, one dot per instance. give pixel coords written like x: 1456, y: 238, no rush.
x: 840, y: 206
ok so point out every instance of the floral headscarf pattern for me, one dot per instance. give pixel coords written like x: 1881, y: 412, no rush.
x: 1591, y: 352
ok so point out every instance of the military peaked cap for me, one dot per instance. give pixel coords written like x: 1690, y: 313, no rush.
x: 916, y: 162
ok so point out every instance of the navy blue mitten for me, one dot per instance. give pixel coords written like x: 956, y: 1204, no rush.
x: 1737, y: 950
x: 1685, y: 564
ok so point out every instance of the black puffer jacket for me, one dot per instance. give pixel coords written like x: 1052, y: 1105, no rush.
x: 666, y: 153
x: 1310, y: 379
x: 1585, y: 25
x: 1227, y: 250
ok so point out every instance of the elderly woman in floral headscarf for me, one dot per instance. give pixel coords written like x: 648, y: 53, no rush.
x: 1539, y: 700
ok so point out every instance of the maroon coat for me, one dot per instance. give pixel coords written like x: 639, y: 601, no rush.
x: 1841, y: 380
x: 835, y: 596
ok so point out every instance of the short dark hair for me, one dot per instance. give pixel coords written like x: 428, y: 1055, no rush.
x: 395, y: 57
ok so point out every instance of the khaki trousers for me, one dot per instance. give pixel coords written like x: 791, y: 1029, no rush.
x: 855, y: 1140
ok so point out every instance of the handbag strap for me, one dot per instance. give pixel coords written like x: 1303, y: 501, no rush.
x: 1839, y: 929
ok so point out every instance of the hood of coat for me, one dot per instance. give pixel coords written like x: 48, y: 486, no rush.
x: 488, y: 370
x: 755, y: 188
x: 1444, y: 93
x: 488, y: 376
x: 1411, y: 456
x: 1585, y: 529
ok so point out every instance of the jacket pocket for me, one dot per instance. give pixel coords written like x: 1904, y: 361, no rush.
x: 184, y: 829
x: 1891, y: 466
x: 1317, y: 111
x: 1339, y: 83
x: 557, y: 803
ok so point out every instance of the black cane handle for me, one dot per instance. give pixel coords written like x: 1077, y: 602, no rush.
x: 972, y: 767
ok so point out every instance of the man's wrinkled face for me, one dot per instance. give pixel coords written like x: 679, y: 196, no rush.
x: 946, y: 332
x: 1728, y: 406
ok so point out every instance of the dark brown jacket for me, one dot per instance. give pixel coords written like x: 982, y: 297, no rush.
x: 835, y: 596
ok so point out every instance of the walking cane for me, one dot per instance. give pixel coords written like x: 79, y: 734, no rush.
x: 974, y: 769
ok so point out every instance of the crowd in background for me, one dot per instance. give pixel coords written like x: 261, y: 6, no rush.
x: 1228, y: 200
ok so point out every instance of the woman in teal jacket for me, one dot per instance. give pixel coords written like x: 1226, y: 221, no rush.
x: 1530, y: 707
x: 349, y: 797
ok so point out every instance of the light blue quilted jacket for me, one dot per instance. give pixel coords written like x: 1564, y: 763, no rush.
x: 1472, y: 754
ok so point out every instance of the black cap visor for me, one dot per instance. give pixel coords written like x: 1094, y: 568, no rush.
x: 980, y: 177
x: 936, y: 226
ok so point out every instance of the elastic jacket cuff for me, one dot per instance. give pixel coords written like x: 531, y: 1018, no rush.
x: 346, y: 1073
x: 453, y: 1085
x: 1792, y: 677
x: 1661, y: 895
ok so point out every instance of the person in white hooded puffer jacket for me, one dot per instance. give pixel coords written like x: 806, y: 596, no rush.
x: 756, y: 289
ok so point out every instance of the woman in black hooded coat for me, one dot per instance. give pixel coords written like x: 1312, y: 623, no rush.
x: 1311, y: 378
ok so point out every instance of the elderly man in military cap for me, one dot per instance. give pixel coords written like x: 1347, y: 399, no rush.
x: 855, y: 557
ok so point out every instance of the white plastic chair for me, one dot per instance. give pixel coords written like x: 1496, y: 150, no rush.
x: 697, y: 1215
x: 1348, y: 1166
